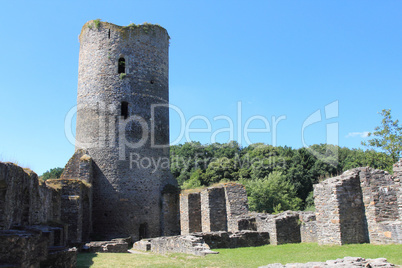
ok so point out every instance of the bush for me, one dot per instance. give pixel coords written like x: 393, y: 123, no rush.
x: 53, y: 173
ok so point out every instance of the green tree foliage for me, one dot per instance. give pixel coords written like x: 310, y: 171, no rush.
x: 53, y: 173
x: 387, y: 136
x: 271, y: 194
x: 195, y: 165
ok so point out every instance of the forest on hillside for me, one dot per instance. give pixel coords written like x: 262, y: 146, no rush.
x: 276, y: 178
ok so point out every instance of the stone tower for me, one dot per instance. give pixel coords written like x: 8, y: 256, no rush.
x: 123, y: 124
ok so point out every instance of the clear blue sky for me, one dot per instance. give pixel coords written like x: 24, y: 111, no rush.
x: 275, y: 58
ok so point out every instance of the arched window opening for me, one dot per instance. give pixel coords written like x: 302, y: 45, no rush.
x: 122, y: 66
x: 143, y: 231
x: 124, y: 109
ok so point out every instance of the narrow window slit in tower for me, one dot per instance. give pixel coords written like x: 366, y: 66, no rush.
x: 122, y: 66
x: 109, y: 34
x: 124, y: 109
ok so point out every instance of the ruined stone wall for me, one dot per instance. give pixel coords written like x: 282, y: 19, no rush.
x: 74, y: 204
x: 76, y: 192
x: 308, y: 227
x: 174, y: 244
x: 362, y: 205
x: 380, y: 196
x: 284, y: 228
x: 340, y: 210
x: 216, y: 208
x: 397, y: 177
x: 117, y: 125
x: 190, y: 212
x: 236, y: 204
x: 30, y: 220
x: 170, y: 211
x: 23, y: 201
x: 213, y: 209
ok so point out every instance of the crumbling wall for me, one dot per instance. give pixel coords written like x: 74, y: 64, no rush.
x: 340, y: 210
x: 75, y: 186
x: 213, y: 209
x: 190, y: 212
x: 397, y: 168
x: 216, y: 208
x: 308, y: 227
x: 380, y: 196
x: 360, y: 206
x: 170, y: 212
x: 23, y: 200
x: 236, y: 204
x: 284, y: 228
x: 74, y: 203
x: 234, y: 240
x: 30, y: 220
x: 174, y: 244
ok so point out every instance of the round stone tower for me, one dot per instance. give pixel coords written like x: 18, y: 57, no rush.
x: 123, y: 123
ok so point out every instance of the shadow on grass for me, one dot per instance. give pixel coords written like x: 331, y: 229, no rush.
x: 85, y: 260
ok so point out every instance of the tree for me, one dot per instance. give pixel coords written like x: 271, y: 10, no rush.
x: 53, y: 173
x: 271, y: 194
x: 387, y: 137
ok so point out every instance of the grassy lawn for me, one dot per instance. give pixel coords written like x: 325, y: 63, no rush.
x: 244, y: 257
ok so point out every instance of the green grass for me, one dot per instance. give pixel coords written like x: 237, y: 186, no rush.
x: 244, y: 257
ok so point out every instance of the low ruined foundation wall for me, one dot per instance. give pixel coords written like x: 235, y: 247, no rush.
x: 174, y: 244
x: 234, y: 240
x: 308, y: 227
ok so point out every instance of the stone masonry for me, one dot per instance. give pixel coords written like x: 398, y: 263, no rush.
x: 123, y: 125
x: 340, y: 210
x: 213, y: 209
x: 360, y: 206
x: 216, y: 208
x: 190, y: 212
x: 32, y: 233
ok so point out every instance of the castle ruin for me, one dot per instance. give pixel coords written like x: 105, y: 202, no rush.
x: 117, y: 186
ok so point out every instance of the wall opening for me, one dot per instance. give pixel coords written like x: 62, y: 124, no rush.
x: 122, y: 66
x: 124, y: 109
x: 109, y: 34
x: 143, y: 231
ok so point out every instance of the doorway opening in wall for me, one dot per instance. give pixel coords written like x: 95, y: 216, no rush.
x: 143, y: 231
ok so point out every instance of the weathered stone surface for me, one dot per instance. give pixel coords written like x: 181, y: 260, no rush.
x: 66, y: 258
x: 175, y: 244
x: 340, y: 210
x: 216, y: 208
x: 361, y: 205
x: 114, y: 246
x: 123, y: 124
x: 23, y: 201
x: 236, y: 204
x: 234, y: 240
x: 345, y: 262
x: 213, y: 209
x: 22, y: 248
x: 190, y: 212
x: 308, y: 227
x: 170, y: 211
x: 284, y: 228
x: 397, y: 177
